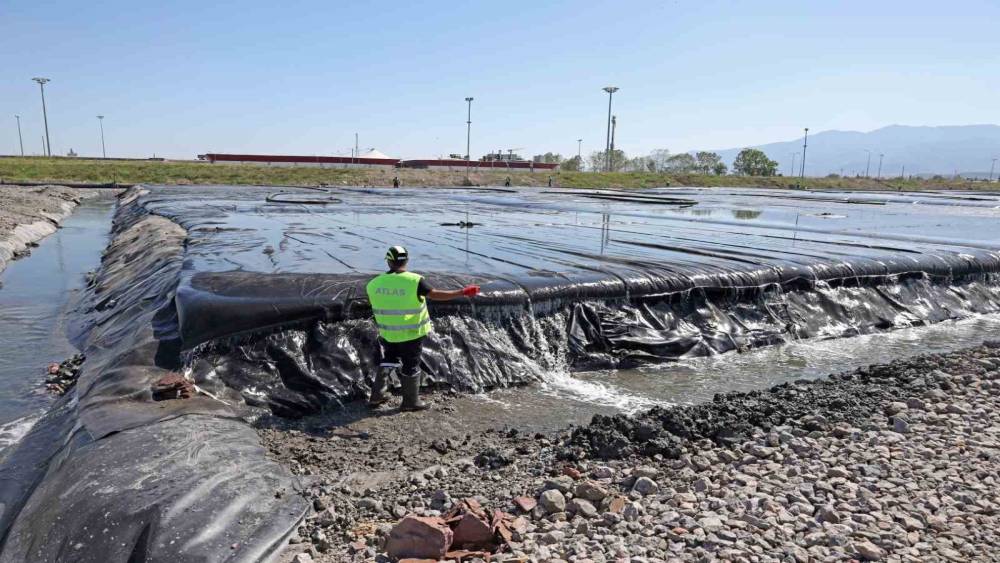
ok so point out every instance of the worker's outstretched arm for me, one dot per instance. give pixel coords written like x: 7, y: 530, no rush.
x: 448, y: 295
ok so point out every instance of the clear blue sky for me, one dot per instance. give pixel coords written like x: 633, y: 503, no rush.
x: 181, y: 78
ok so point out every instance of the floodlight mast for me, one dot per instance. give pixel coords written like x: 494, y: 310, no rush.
x: 607, y: 146
x: 45, y: 117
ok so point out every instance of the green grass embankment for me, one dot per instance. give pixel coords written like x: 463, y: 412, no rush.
x: 56, y: 170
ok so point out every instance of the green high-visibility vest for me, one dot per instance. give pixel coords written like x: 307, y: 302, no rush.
x: 400, y: 313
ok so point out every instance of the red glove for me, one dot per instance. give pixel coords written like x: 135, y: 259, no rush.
x: 470, y: 290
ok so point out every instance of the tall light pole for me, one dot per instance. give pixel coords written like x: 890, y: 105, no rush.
x: 805, y: 143
x: 607, y: 146
x: 791, y: 171
x: 879, y: 176
x: 100, y: 119
x: 41, y: 84
x: 992, y: 166
x: 869, y: 165
x: 579, y: 143
x: 468, y: 137
x: 614, y: 125
x: 21, y: 139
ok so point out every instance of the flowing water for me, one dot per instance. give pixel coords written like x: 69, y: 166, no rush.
x: 575, y: 398
x: 37, y: 295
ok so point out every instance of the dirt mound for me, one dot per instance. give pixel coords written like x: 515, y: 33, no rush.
x: 729, y: 419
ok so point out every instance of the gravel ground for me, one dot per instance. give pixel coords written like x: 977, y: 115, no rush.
x: 28, y: 214
x: 896, y: 462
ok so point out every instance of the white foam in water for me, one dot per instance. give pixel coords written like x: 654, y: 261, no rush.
x: 12, y: 432
x: 564, y: 385
x: 573, y: 398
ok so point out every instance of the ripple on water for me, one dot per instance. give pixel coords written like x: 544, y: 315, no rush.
x: 575, y: 398
x: 37, y: 294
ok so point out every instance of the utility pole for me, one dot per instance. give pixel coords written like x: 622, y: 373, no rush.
x: 805, y: 143
x: 992, y: 166
x: 607, y: 146
x: 880, y: 156
x: 356, y: 154
x: 902, y: 172
x: 869, y: 165
x: 468, y: 138
x: 21, y: 139
x: 791, y: 172
x: 579, y: 143
x: 614, y: 125
x: 45, y: 116
x: 104, y: 153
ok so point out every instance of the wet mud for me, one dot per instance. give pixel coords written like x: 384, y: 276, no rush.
x: 730, y: 419
x: 29, y: 214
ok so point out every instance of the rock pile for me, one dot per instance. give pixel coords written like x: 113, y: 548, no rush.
x: 467, y: 527
x: 911, y: 478
x: 62, y: 376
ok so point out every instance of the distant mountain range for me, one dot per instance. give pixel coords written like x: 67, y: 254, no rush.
x: 923, y: 151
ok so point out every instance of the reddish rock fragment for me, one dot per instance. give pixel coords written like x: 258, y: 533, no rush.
x: 172, y: 386
x: 617, y: 505
x: 418, y: 537
x: 519, y: 525
x: 571, y: 472
x: 526, y: 504
x: 465, y: 555
x: 472, y: 530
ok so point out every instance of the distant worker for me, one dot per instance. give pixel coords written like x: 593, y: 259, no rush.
x: 507, y: 182
x: 398, y: 300
x: 395, y: 181
x: 550, y: 181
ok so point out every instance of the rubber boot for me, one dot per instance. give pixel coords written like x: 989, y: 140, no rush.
x: 411, y: 394
x: 379, y: 386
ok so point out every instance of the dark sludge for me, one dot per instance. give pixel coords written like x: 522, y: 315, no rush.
x: 256, y: 294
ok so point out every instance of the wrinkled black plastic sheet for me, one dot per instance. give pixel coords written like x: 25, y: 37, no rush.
x: 273, y: 295
x: 110, y: 475
x: 305, y: 368
x: 529, y: 231
x: 539, y: 247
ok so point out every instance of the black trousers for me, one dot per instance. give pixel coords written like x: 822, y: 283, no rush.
x: 407, y: 353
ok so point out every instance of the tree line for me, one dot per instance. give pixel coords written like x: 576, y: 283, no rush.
x: 749, y: 162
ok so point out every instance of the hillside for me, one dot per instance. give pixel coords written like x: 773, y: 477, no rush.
x: 967, y: 149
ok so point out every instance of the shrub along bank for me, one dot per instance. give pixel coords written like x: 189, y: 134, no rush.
x: 55, y: 170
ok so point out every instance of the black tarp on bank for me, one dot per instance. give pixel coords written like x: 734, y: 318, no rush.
x: 273, y: 301
x: 109, y: 474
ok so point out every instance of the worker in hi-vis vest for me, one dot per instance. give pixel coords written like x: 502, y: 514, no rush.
x: 398, y: 300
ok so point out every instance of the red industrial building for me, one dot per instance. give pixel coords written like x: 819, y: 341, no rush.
x: 375, y: 159
x: 372, y: 159
x: 457, y: 164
